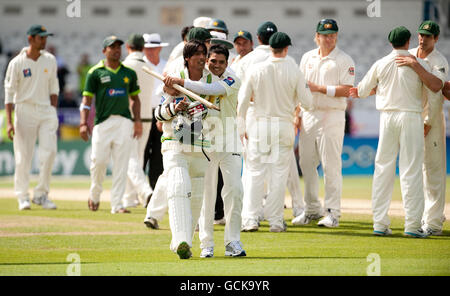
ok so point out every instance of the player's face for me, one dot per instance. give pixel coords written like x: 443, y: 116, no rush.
x: 197, y: 61
x: 38, y: 41
x: 426, y: 42
x: 243, y: 46
x: 113, y: 52
x: 217, y: 63
x: 327, y: 41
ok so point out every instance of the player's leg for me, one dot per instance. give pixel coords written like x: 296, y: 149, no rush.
x: 25, y: 125
x: 158, y: 206
x: 120, y: 155
x: 410, y: 169
x: 384, y: 174
x: 197, y: 167
x: 434, y: 174
x: 47, y: 153
x: 293, y: 185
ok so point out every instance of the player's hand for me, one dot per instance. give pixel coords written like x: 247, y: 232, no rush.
x: 243, y: 136
x: 84, y: 132
x: 10, y: 131
x: 426, y: 129
x: 159, y: 126
x: 137, y: 129
x: 297, y: 124
x: 313, y: 87
x: 171, y: 91
x: 181, y: 106
x: 170, y: 81
x: 409, y: 60
x: 354, y: 92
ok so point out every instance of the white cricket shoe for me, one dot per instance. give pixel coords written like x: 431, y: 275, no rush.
x: 151, y: 222
x: 329, y: 221
x: 385, y: 232
x: 220, y: 221
x: 416, y: 234
x: 44, y: 202
x: 304, y: 219
x: 250, y: 226
x: 24, y: 205
x: 433, y: 232
x: 234, y: 249
x: 207, y: 252
x: 278, y: 227
x: 297, y: 212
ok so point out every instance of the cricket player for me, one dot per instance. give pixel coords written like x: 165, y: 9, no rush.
x: 399, y: 99
x: 183, y: 145
x: 31, y: 85
x: 138, y: 190
x: 277, y: 87
x: 113, y: 85
x: 434, y: 168
x: 243, y: 43
x: 330, y: 74
x: 224, y: 155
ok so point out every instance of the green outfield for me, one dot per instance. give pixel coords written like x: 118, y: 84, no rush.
x: 42, y: 242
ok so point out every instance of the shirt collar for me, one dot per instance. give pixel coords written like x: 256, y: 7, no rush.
x: 332, y: 55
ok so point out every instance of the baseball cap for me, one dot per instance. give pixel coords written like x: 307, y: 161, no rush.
x: 267, y: 29
x: 221, y: 38
x: 110, y: 40
x: 279, y: 40
x: 38, y: 30
x: 243, y: 34
x: 217, y: 24
x: 154, y: 40
x: 327, y: 26
x: 198, y: 33
x: 136, y: 40
x: 429, y: 28
x: 399, y: 36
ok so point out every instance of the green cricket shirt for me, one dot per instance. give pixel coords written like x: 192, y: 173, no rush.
x: 111, y: 89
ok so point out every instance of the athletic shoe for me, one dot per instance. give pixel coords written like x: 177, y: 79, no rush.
x: 92, y: 205
x: 416, y: 234
x: 329, y: 221
x: 44, y: 202
x: 297, y: 212
x: 147, y: 200
x: 304, y: 219
x: 234, y: 249
x: 220, y: 222
x: 151, y: 222
x: 24, y: 205
x: 184, y: 251
x: 279, y: 227
x: 385, y: 232
x: 207, y: 252
x: 121, y: 211
x: 250, y: 226
x: 430, y: 232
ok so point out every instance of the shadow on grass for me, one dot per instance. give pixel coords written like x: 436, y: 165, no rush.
x: 46, y: 263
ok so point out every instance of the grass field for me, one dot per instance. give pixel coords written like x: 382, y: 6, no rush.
x: 41, y: 242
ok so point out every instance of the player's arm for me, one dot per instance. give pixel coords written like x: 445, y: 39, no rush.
x: 430, y: 80
x: 244, y: 96
x: 331, y: 90
x: 54, y: 85
x: 135, y: 104
x: 209, y: 89
x: 85, y: 107
x: 11, y: 84
x: 368, y: 85
x: 446, y: 90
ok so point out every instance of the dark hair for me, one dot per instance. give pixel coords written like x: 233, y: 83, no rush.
x: 265, y: 37
x: 137, y: 48
x: 185, y: 31
x: 219, y: 49
x: 191, y: 48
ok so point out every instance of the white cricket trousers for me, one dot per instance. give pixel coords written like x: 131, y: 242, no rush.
x: 434, y: 174
x: 185, y: 172
x: 33, y: 122
x: 138, y: 186
x: 111, y: 139
x: 293, y: 185
x: 158, y: 206
x: 321, y: 141
x: 401, y: 133
x: 269, y: 149
x: 232, y: 193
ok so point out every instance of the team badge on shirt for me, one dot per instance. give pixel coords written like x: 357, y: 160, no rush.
x: 115, y: 92
x: 229, y: 80
x: 351, y: 71
x: 105, y: 79
x: 27, y: 72
x: 126, y: 79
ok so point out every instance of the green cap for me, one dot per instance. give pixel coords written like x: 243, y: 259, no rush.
x: 198, y: 33
x: 279, y: 40
x: 327, y: 26
x: 136, y: 40
x: 266, y: 29
x: 38, y: 30
x: 111, y: 40
x: 243, y: 34
x: 217, y: 24
x: 429, y: 28
x: 399, y: 36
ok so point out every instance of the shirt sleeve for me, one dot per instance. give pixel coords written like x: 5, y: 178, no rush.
x: 204, y: 88
x: 91, y: 84
x: 244, y: 95
x: 369, y: 81
x: 347, y: 72
x: 54, y: 83
x: 304, y: 93
x: 134, y: 86
x: 231, y: 84
x: 11, y: 82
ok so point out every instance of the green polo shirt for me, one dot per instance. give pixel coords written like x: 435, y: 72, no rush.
x: 111, y: 89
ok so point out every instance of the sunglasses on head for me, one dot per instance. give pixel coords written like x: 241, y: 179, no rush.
x: 327, y: 21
